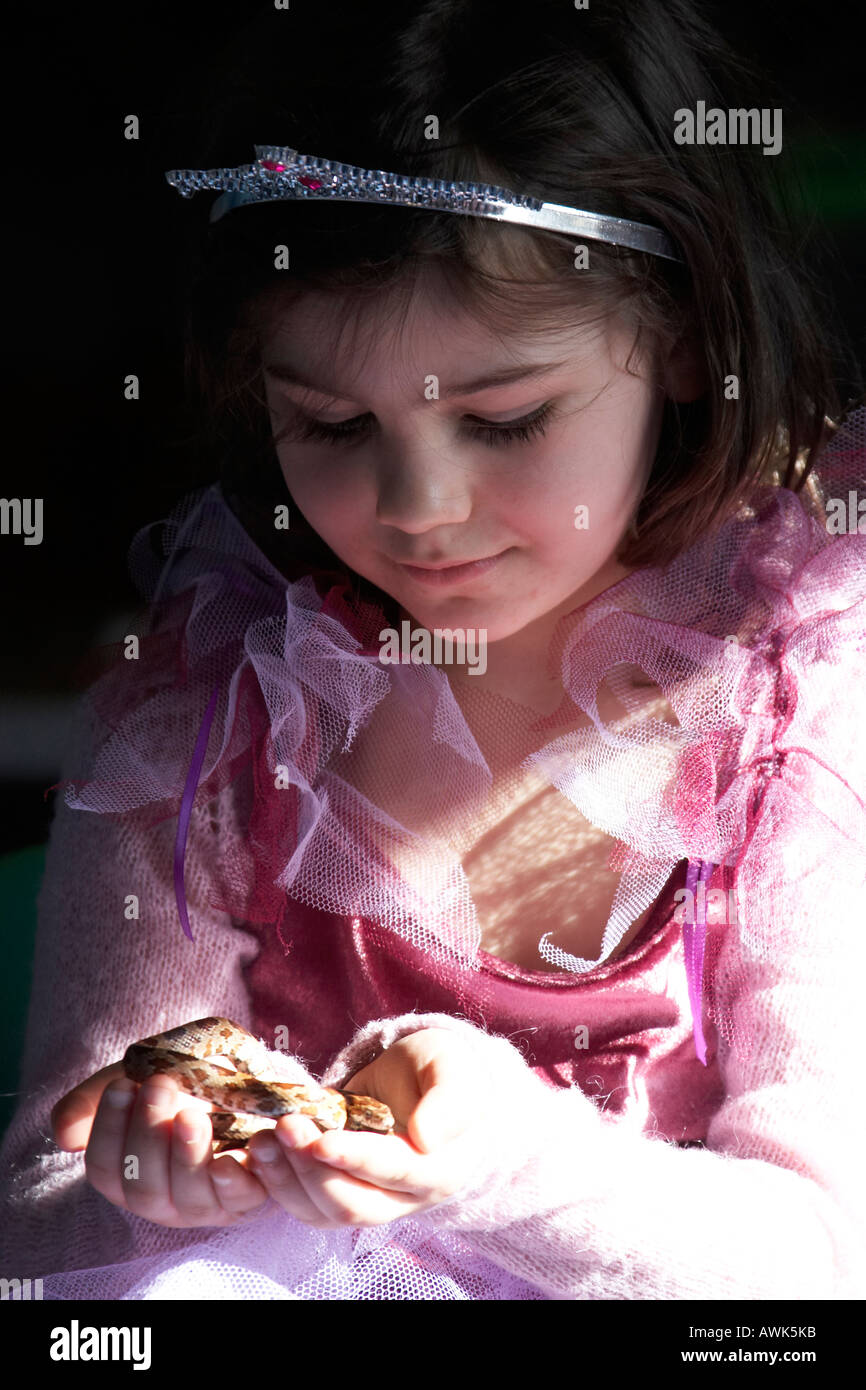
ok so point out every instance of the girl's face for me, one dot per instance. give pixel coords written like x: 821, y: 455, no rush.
x: 433, y: 464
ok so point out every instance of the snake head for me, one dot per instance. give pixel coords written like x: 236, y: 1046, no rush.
x: 363, y: 1112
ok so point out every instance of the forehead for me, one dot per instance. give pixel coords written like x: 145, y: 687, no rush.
x: 410, y: 330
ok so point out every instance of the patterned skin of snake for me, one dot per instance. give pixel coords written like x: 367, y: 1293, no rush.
x: 244, y: 1100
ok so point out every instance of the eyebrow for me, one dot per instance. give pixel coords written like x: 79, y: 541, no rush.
x: 521, y: 372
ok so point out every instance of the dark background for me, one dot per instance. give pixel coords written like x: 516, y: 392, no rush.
x: 92, y: 292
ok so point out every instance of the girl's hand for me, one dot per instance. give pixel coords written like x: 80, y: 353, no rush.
x: 149, y: 1156
x: 438, y: 1091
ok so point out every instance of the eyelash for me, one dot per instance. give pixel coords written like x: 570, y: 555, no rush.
x: 492, y: 435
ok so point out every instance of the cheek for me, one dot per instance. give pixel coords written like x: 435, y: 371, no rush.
x: 605, y: 463
x: 592, y: 502
x: 327, y: 499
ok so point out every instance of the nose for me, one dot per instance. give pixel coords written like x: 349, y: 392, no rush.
x: 423, y: 482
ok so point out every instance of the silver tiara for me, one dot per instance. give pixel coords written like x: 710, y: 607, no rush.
x: 281, y: 174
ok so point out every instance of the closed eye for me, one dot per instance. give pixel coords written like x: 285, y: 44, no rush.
x: 348, y: 432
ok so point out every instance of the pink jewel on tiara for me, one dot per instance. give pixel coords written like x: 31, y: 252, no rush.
x: 276, y: 168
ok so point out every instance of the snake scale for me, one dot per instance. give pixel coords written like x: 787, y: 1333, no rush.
x: 244, y: 1100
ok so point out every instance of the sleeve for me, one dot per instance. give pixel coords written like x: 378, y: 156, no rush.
x: 99, y: 982
x: 774, y: 1205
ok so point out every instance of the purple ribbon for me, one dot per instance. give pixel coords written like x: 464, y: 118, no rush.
x: 186, y: 805
x: 694, y: 939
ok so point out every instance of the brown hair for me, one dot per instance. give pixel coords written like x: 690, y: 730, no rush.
x: 575, y: 108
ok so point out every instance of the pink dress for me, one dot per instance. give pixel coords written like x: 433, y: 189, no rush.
x: 641, y: 1066
x: 682, y: 1121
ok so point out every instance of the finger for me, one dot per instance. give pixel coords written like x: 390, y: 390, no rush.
x: 276, y: 1173
x: 146, y: 1168
x: 447, y: 1108
x: 237, y: 1188
x: 340, y: 1198
x: 104, y: 1157
x: 439, y: 1118
x: 193, y: 1195
x: 73, y: 1115
x: 382, y: 1160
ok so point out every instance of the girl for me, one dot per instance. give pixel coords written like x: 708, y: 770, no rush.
x: 582, y: 909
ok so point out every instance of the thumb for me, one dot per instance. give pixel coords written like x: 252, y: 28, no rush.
x: 72, y: 1116
x: 442, y: 1115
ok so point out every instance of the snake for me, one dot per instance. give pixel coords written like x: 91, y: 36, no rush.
x: 245, y: 1100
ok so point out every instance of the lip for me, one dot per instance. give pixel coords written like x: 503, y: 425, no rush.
x: 441, y: 575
